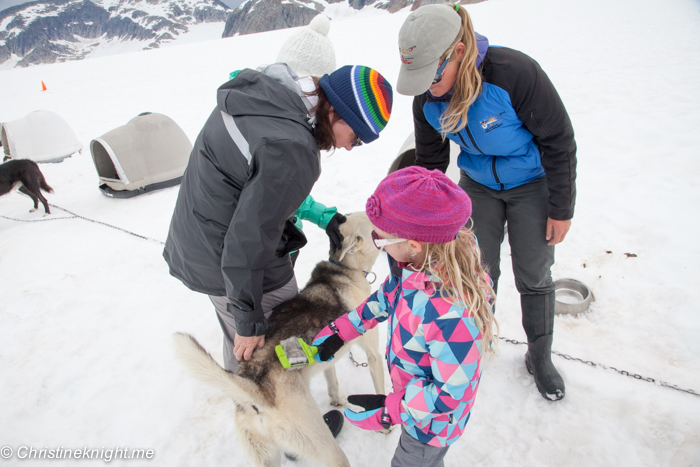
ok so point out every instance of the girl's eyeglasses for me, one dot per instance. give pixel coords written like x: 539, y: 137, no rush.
x: 441, y: 69
x: 381, y: 242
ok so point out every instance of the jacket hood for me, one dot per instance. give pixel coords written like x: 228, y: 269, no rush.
x: 272, y: 92
x: 482, y: 44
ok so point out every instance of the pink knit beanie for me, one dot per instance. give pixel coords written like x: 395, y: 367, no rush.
x: 419, y: 204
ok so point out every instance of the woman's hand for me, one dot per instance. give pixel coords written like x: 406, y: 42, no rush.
x: 556, y: 230
x: 333, y: 231
x: 243, y: 346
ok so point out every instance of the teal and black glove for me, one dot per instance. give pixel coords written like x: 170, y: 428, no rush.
x: 328, y: 343
x: 333, y: 231
x: 376, y: 416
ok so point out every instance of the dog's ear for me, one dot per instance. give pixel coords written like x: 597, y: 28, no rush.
x: 351, y: 245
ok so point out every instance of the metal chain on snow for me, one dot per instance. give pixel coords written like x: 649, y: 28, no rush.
x: 606, y: 367
x: 77, y: 216
x: 108, y: 225
x: 354, y: 362
x: 510, y: 341
x: 36, y: 220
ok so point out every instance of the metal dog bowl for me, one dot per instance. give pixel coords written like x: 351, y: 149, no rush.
x: 571, y: 296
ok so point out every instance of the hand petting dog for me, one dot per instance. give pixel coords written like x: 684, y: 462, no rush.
x: 243, y: 346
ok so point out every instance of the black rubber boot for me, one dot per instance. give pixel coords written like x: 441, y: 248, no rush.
x: 538, y: 322
x: 538, y: 360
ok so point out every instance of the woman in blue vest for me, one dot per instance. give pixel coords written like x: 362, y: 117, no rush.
x: 517, y: 158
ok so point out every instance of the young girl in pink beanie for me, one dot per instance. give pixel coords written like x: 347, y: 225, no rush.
x: 438, y: 305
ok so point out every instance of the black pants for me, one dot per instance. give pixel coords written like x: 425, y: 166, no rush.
x: 524, y: 208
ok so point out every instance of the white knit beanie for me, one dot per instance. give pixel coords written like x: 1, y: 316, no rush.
x: 309, y: 52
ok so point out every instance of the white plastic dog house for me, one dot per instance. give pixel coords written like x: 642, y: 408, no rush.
x: 407, y: 157
x: 148, y: 153
x: 41, y: 136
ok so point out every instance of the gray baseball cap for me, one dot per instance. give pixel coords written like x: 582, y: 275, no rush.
x: 424, y: 37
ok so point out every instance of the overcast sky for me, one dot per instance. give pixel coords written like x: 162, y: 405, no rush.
x: 8, y: 3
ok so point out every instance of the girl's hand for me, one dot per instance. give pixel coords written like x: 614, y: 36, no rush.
x: 556, y: 230
x: 381, y: 412
x: 332, y: 337
x: 328, y: 343
x: 371, y: 418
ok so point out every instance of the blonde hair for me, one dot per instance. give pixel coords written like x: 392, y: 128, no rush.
x: 458, y: 265
x: 468, y: 82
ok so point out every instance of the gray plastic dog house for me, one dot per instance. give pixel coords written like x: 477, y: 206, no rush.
x: 41, y: 136
x: 150, y: 152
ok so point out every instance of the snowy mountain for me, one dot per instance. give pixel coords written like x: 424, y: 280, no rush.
x: 49, y: 31
x: 59, y: 30
x: 266, y: 15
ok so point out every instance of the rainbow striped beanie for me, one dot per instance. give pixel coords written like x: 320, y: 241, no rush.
x: 362, y: 97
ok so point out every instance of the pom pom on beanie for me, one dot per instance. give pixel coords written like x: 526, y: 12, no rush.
x: 419, y: 204
x: 360, y: 96
x: 309, y: 52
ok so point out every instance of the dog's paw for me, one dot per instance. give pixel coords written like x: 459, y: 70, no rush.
x: 339, y: 400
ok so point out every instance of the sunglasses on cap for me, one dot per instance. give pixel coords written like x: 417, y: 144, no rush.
x: 441, y: 69
x: 381, y: 242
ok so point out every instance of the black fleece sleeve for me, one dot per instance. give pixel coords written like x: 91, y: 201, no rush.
x: 542, y: 111
x: 432, y: 152
x: 282, y: 175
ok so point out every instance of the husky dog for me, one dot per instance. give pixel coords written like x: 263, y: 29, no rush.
x: 27, y: 173
x: 275, y: 410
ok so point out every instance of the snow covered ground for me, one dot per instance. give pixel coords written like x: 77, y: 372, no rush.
x: 87, y: 311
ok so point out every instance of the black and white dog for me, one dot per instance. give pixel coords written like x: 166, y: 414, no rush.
x: 27, y: 173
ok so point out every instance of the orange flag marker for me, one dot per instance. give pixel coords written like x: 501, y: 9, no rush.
x: 43, y: 86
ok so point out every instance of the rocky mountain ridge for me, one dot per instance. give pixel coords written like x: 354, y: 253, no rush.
x: 255, y: 16
x: 49, y: 31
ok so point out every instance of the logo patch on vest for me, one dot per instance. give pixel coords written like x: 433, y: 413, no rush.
x: 491, y: 123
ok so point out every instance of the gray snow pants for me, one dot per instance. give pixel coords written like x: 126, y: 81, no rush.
x: 412, y: 453
x: 228, y: 324
x: 525, y: 209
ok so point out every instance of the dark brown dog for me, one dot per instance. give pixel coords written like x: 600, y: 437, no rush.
x: 27, y: 173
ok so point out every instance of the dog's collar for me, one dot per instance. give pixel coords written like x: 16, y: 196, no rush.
x: 367, y: 273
